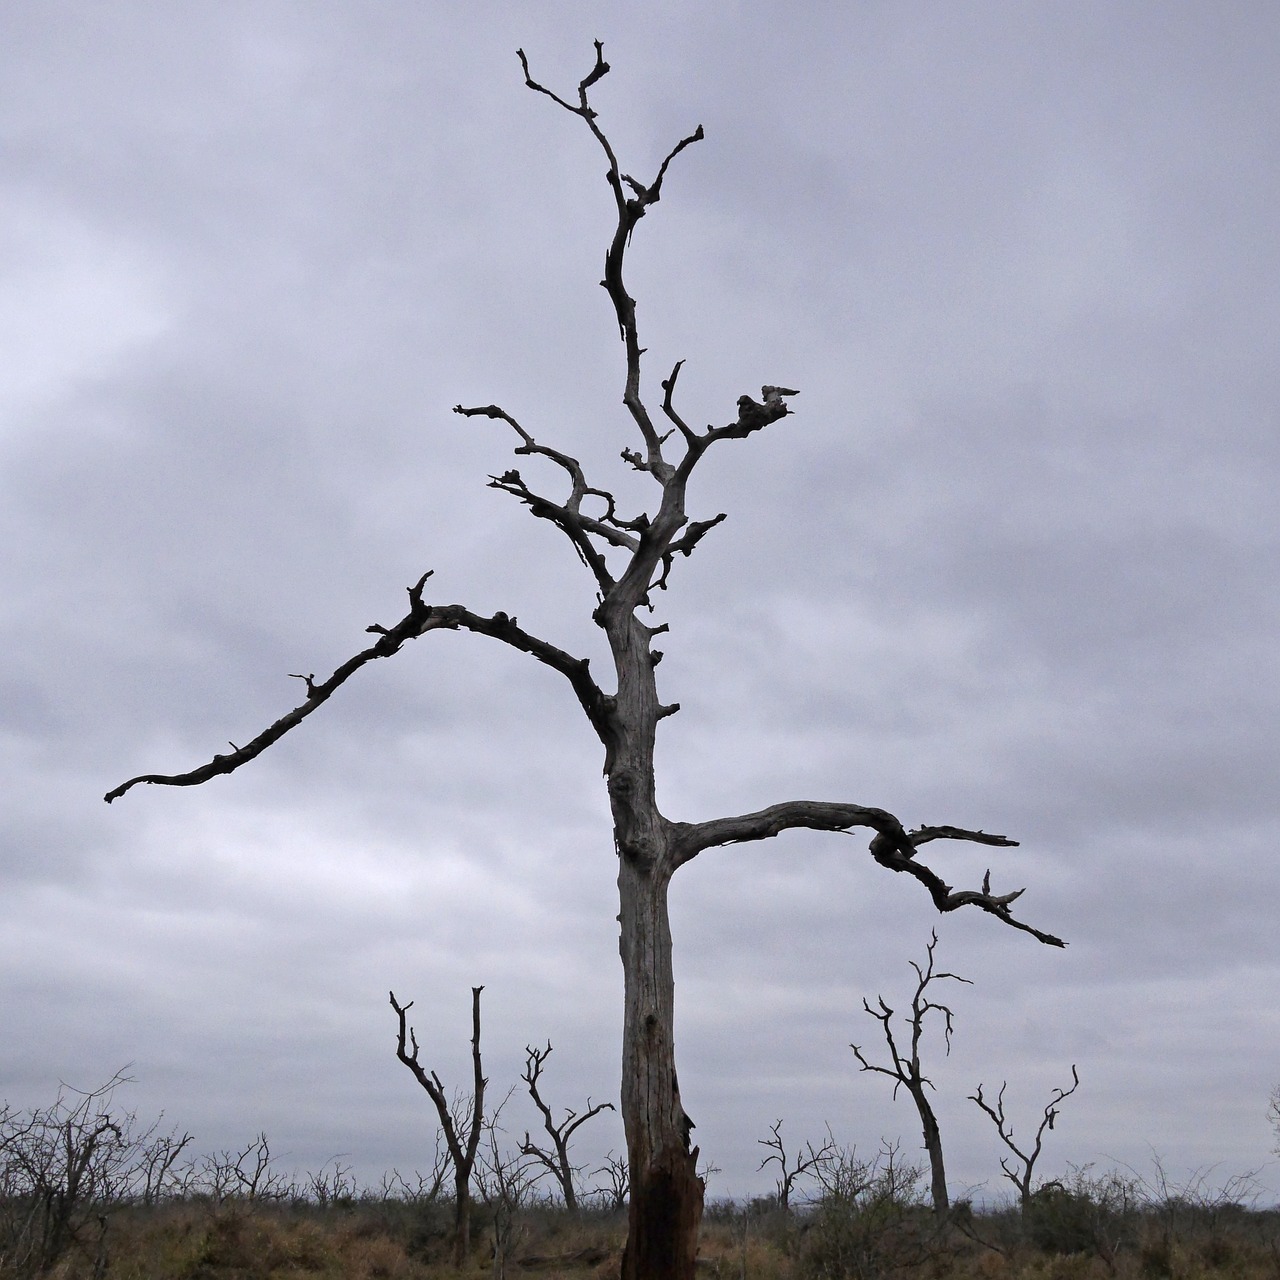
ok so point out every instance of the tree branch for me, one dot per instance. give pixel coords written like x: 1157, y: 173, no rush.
x: 632, y: 199
x: 892, y: 847
x: 568, y: 515
x: 420, y: 619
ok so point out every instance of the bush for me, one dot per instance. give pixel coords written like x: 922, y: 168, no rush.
x: 872, y: 1218
x: 1084, y: 1214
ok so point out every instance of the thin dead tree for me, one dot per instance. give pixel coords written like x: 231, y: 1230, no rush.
x: 461, y: 1132
x: 905, y: 1069
x: 1273, y: 1115
x: 1021, y: 1176
x: 809, y: 1161
x: 556, y: 1161
x: 630, y: 557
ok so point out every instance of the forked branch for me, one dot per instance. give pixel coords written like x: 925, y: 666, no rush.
x: 1021, y: 1176
x: 568, y: 515
x: 556, y: 1161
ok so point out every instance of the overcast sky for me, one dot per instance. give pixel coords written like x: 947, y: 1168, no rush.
x: 1011, y: 564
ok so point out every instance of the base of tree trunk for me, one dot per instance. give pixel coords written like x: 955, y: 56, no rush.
x: 665, y: 1213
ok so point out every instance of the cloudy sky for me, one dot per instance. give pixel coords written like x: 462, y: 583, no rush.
x: 1011, y: 564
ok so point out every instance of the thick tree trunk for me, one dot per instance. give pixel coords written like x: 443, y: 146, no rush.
x: 666, y: 1192
x: 461, y: 1217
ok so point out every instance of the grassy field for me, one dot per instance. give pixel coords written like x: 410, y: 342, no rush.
x: 1065, y: 1236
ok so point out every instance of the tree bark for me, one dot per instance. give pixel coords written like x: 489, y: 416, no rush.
x: 666, y: 1192
x: 933, y: 1145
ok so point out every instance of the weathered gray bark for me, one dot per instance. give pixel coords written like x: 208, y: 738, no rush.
x: 666, y: 1193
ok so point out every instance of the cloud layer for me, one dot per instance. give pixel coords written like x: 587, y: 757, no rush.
x: 1010, y: 565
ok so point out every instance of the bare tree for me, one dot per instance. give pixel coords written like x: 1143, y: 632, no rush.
x: 62, y: 1167
x: 1273, y: 1115
x: 556, y: 1161
x: 156, y: 1165
x: 809, y: 1161
x: 905, y: 1069
x: 461, y: 1133
x: 629, y: 558
x: 1020, y: 1176
x: 618, y: 1178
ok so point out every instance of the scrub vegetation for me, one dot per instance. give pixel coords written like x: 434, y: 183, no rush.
x: 87, y: 1192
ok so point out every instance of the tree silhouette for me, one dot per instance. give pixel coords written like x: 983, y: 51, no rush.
x: 630, y: 557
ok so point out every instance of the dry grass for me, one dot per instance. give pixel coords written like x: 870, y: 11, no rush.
x: 387, y: 1240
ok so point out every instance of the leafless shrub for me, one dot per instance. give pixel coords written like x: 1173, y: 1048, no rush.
x: 612, y: 1195
x: 61, y: 1168
x: 871, y: 1218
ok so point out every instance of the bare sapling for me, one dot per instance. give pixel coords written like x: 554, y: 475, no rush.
x: 1273, y: 1115
x: 630, y: 556
x: 1020, y: 1173
x: 556, y: 1160
x: 904, y: 1066
x: 807, y: 1162
x: 461, y: 1132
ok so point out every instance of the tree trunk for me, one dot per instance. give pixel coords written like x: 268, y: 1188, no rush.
x: 666, y: 1192
x: 933, y: 1145
x: 461, y: 1217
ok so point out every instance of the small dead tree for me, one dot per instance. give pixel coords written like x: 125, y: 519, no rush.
x: 630, y: 557
x: 556, y: 1161
x: 808, y: 1162
x: 63, y: 1167
x: 905, y: 1069
x: 461, y: 1133
x: 254, y: 1174
x: 156, y: 1166
x: 613, y: 1196
x: 1020, y: 1175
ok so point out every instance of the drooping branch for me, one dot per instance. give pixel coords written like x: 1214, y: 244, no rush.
x: 420, y: 619
x: 892, y: 846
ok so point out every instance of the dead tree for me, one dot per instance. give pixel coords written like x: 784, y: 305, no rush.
x: 556, y: 1161
x: 461, y: 1132
x: 630, y: 557
x: 618, y: 1176
x: 905, y: 1069
x: 1021, y: 1177
x: 809, y: 1162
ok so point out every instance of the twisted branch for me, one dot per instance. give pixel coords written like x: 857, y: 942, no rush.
x: 892, y: 846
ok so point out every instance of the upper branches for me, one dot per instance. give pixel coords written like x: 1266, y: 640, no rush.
x: 420, y: 619
x: 632, y: 200
x: 652, y: 541
x: 892, y: 846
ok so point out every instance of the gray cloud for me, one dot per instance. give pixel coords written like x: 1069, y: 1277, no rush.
x: 1009, y: 565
